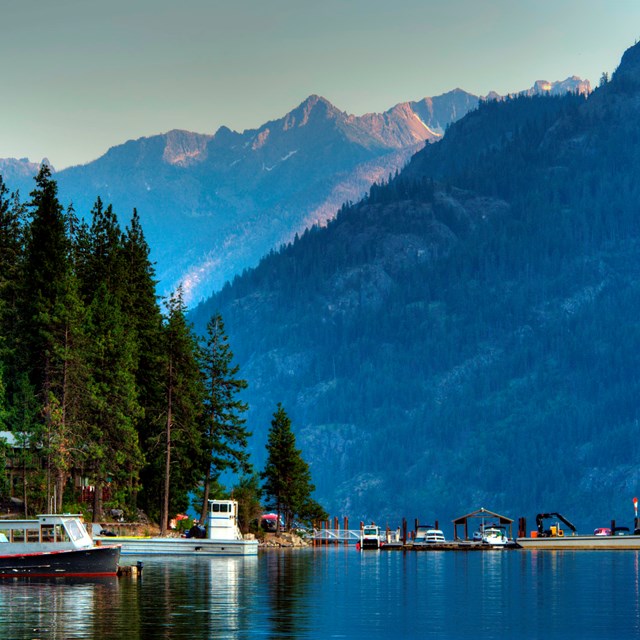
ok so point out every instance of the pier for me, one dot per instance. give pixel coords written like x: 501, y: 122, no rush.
x: 330, y: 532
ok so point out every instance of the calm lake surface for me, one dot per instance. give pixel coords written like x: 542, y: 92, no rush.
x: 341, y: 593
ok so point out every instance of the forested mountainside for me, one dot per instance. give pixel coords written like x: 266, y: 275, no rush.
x: 467, y: 335
x: 212, y: 205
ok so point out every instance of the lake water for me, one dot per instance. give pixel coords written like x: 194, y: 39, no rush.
x: 341, y: 593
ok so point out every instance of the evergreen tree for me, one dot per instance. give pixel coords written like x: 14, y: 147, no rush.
x: 287, y: 478
x: 12, y: 215
x: 181, y: 442
x: 47, y: 327
x: 144, y: 320
x: 247, y: 492
x: 114, y: 450
x: 224, y: 433
x: 4, y: 449
x: 47, y: 269
x: 24, y: 422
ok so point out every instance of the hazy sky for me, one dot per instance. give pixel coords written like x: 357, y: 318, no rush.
x: 79, y: 76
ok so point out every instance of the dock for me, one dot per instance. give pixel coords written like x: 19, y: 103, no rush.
x: 330, y: 533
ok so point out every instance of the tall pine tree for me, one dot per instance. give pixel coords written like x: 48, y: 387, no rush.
x: 144, y: 320
x: 46, y: 331
x: 181, y: 441
x: 224, y: 435
x: 287, y: 478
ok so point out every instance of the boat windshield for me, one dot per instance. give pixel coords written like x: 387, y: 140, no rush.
x: 74, y: 530
x: 370, y: 531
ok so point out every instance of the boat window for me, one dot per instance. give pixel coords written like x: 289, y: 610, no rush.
x: 17, y: 535
x: 220, y: 508
x: 73, y: 529
x: 47, y: 533
x: 60, y: 533
x: 5, y: 535
x: 33, y: 535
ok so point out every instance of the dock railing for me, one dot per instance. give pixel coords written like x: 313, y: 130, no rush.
x: 330, y: 532
x: 336, y: 536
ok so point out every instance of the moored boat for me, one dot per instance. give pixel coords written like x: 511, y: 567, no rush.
x: 554, y: 536
x: 222, y: 536
x: 578, y: 541
x: 370, y: 537
x: 494, y: 535
x: 428, y: 535
x: 53, y: 545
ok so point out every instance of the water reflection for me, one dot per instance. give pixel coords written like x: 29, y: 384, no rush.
x: 54, y: 608
x: 286, y: 577
x: 195, y: 597
x: 338, y: 592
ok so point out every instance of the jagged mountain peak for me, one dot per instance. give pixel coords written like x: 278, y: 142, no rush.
x: 314, y: 107
x: 185, y: 148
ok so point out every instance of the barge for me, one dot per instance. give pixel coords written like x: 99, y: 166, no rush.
x: 554, y: 537
x: 222, y: 537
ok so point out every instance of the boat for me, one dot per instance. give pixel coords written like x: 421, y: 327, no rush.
x: 221, y: 537
x: 554, y: 536
x: 370, y: 537
x: 492, y: 534
x: 427, y: 535
x: 53, y: 545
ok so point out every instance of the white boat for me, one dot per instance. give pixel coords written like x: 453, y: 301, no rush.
x: 370, y: 537
x: 222, y: 537
x: 427, y: 535
x: 53, y: 545
x: 495, y: 536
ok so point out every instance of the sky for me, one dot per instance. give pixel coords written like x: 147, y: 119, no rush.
x: 80, y: 76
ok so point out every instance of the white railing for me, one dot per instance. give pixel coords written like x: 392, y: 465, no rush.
x: 337, y: 536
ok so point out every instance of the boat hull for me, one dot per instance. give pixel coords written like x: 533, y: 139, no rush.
x: 606, y: 543
x: 187, y: 547
x: 91, y: 562
x: 369, y: 543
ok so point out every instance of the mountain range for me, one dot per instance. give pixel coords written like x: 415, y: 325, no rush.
x: 213, y: 205
x: 466, y: 335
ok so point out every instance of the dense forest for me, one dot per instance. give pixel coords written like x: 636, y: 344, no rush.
x: 110, y: 399
x: 467, y: 335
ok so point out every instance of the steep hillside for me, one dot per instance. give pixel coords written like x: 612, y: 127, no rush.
x: 213, y: 205
x: 466, y: 335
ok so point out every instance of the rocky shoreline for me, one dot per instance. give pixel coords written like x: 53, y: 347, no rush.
x: 283, y: 541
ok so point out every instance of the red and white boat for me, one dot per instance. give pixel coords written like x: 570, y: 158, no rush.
x: 53, y: 545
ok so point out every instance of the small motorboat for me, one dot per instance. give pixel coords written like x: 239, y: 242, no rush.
x: 427, y: 535
x: 493, y: 535
x: 53, y: 545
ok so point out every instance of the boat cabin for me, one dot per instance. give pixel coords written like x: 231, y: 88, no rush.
x: 370, y: 537
x: 222, y: 520
x: 56, y: 532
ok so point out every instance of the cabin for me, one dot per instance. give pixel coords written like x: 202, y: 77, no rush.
x: 15, y: 471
